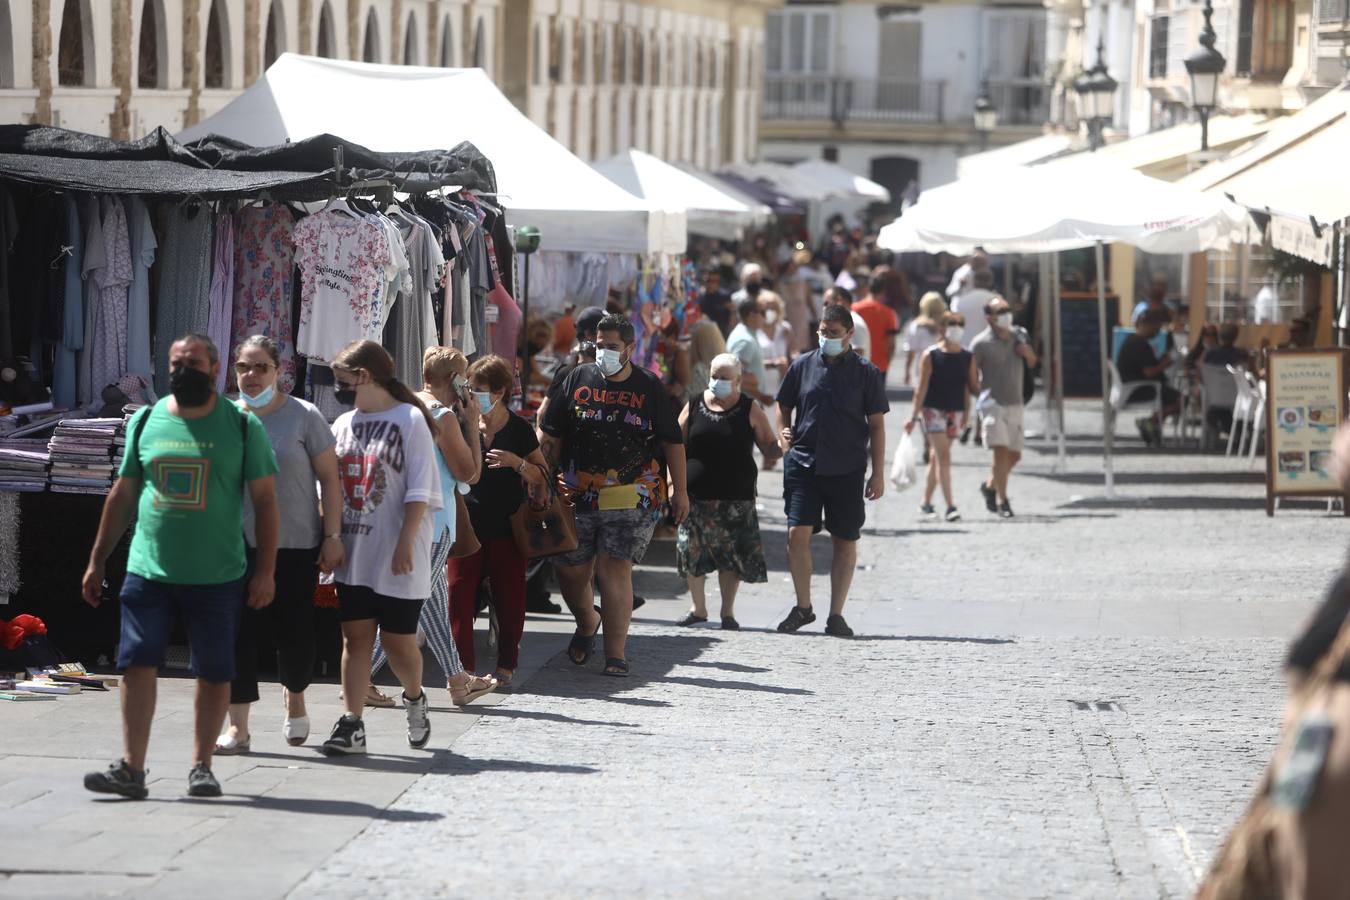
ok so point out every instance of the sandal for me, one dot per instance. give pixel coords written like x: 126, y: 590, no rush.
x: 580, y: 648
x: 376, y: 698
x: 616, y: 668
x: 691, y: 619
x: 477, y: 686
x: 230, y: 745
x: 504, y: 679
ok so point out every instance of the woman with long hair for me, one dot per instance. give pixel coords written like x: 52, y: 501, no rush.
x: 514, y: 465
x: 458, y: 462
x: 924, y: 330
x: 391, y: 490
x: 705, y: 343
x: 309, y: 541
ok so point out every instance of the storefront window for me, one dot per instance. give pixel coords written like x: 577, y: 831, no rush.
x: 1250, y: 286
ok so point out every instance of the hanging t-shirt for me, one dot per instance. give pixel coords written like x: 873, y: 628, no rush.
x: 345, y: 267
x: 194, y: 472
x: 612, y: 434
x: 386, y: 460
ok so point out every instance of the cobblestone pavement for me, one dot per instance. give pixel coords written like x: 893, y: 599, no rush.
x: 1074, y: 703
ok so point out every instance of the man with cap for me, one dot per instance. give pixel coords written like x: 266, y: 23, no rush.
x: 583, y: 352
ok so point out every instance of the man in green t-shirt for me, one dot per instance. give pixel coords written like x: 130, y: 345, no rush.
x: 188, y: 460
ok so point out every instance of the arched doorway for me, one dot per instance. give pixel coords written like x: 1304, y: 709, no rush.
x: 276, y: 34
x: 152, y: 54
x: 448, y: 43
x: 75, y: 47
x: 896, y: 174
x: 6, y: 47
x: 216, y: 68
x: 479, y: 46
x: 326, y: 46
x: 370, y: 51
x: 412, y: 46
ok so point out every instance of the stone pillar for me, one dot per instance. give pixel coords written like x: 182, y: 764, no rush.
x: 305, y: 31
x: 354, y: 29
x: 119, y: 124
x: 396, y: 24
x: 434, y: 33
x: 253, y: 41
x: 42, y: 56
x: 192, y: 60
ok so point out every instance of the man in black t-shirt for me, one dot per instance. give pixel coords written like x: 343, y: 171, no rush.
x: 584, y: 352
x: 1136, y: 362
x: 613, y: 434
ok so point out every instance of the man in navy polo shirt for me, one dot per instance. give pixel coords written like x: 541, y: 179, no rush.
x: 831, y: 419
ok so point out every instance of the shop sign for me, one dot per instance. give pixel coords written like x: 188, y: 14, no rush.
x: 1305, y: 405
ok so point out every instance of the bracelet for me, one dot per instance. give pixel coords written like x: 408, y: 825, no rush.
x: 520, y: 469
x: 332, y: 537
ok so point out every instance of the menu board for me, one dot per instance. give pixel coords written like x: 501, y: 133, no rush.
x: 1080, y: 321
x: 1305, y: 404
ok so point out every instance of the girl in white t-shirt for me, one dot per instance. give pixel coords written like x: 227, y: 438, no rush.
x: 391, y: 489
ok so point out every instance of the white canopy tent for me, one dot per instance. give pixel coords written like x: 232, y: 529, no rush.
x: 710, y: 210
x: 411, y: 108
x: 838, y: 178
x: 1045, y: 209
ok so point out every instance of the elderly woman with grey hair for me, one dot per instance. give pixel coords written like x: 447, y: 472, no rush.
x: 722, y: 426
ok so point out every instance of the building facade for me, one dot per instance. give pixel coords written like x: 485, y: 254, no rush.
x: 889, y: 90
x: 676, y: 78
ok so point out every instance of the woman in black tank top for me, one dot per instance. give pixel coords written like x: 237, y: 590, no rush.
x: 942, y: 405
x: 721, y: 533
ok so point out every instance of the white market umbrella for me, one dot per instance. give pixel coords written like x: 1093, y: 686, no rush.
x: 1068, y: 205
x: 836, y: 177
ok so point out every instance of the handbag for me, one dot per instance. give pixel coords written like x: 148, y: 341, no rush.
x: 547, y: 529
x: 1289, y: 841
x: 466, y: 539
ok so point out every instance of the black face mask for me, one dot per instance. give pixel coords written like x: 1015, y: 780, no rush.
x: 345, y: 395
x: 190, y: 387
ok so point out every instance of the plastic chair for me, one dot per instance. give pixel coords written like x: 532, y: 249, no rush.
x: 1121, y: 390
x: 1247, y: 409
x: 1258, y: 389
x: 1217, y: 390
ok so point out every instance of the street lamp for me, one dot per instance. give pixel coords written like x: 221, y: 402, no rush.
x: 986, y: 115
x: 1096, y: 91
x: 1205, y: 66
x: 527, y: 242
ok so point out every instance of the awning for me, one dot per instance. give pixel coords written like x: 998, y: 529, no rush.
x: 710, y: 210
x: 787, y: 180
x: 837, y: 178
x: 781, y: 204
x: 1295, y: 173
x: 1167, y: 153
x: 1022, y: 153
x: 397, y: 110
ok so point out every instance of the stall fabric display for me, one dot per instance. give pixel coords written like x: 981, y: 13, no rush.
x: 344, y: 260
x: 81, y: 455
x: 9, y: 542
x: 143, y: 247
x: 184, y: 297
x: 65, y: 382
x: 220, y: 314
x: 264, y: 269
x: 9, y: 226
x: 108, y: 354
x: 23, y: 468
x: 95, y: 260
x: 412, y: 322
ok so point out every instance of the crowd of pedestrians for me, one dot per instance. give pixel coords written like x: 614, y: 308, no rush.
x: 407, y: 503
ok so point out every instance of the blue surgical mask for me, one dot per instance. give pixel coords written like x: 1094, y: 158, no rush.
x: 485, y: 401
x: 264, y: 397
x: 831, y: 346
x: 721, y: 387
x: 609, y: 361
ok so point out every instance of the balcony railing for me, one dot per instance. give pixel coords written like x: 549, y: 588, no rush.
x: 840, y: 100
x: 1021, y: 102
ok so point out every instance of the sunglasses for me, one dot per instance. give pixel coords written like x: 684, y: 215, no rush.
x: 243, y: 368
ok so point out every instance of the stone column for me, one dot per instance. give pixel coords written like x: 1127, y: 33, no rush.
x: 396, y: 32
x: 306, y: 30
x: 119, y: 124
x: 434, y: 33
x: 354, y: 30
x: 192, y: 60
x: 253, y: 41
x: 42, y: 61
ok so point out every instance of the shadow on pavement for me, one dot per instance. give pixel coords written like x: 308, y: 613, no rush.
x: 1173, y: 503
x: 503, y: 712
x: 371, y: 762
x: 728, y: 667
x: 733, y: 685
x: 450, y: 763
x: 877, y: 638
x: 1092, y: 478
x: 315, y: 807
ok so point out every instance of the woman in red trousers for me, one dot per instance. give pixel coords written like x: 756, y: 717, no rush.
x: 513, y: 465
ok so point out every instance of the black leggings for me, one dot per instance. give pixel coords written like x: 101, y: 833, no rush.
x: 290, y: 618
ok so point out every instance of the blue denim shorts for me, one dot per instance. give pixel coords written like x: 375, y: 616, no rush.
x: 210, y: 613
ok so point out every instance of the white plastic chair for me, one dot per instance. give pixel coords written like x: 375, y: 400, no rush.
x: 1248, y: 409
x: 1258, y: 389
x: 1121, y: 390
x: 1217, y: 389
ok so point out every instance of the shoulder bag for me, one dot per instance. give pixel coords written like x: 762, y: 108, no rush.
x: 546, y: 529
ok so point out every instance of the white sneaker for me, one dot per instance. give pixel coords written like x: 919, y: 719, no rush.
x: 419, y: 724
x: 295, y: 730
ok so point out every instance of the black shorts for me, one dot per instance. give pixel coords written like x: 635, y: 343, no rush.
x: 1170, y: 395
x: 396, y: 615
x: 806, y: 495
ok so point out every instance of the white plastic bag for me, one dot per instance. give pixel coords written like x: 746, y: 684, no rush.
x: 905, y: 468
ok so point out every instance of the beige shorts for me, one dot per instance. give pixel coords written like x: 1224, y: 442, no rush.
x: 1003, y: 427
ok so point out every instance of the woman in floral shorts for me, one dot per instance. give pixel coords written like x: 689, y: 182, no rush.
x: 941, y: 403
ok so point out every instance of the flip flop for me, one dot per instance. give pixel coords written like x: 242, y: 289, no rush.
x: 580, y: 648
x: 619, y: 667
x: 691, y: 619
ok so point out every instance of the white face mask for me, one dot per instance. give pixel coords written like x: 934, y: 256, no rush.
x: 770, y: 316
x: 609, y: 361
x: 955, y: 333
x: 1003, y: 320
